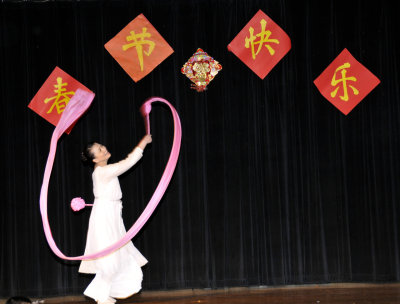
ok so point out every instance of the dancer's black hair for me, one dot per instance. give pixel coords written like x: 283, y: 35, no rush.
x: 87, y: 155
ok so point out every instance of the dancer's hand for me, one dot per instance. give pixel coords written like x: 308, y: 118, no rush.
x: 145, y: 140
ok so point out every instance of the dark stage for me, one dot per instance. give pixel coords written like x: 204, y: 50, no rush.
x: 350, y: 293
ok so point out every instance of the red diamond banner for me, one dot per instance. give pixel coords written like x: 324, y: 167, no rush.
x: 54, y: 95
x: 261, y: 44
x: 345, y: 82
x: 138, y: 48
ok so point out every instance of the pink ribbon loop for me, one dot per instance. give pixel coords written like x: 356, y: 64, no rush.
x: 75, y: 108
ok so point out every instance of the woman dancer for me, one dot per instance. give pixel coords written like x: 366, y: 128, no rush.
x: 119, y: 274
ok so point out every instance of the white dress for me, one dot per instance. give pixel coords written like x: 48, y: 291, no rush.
x: 119, y: 274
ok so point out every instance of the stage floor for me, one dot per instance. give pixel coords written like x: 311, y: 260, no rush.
x: 304, y: 294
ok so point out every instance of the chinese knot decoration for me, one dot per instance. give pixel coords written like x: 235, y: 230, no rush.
x: 201, y: 68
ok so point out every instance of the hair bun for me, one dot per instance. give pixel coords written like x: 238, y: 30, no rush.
x: 83, y: 157
x: 87, y: 155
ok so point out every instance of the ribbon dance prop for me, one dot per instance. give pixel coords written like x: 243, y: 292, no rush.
x: 75, y: 108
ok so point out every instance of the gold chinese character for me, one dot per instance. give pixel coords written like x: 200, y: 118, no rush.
x: 61, y: 99
x: 264, y: 38
x: 201, y: 70
x: 343, y: 80
x: 139, y: 44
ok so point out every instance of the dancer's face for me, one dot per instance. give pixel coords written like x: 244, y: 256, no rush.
x: 100, y: 153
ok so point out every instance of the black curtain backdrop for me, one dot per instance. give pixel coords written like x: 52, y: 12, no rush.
x: 274, y: 185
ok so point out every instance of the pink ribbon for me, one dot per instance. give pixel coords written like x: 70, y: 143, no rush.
x: 75, y: 108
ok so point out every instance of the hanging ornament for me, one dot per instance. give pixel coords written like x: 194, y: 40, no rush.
x: 201, y: 68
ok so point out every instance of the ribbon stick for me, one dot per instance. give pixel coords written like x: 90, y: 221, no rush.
x: 78, y: 203
x: 75, y: 108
